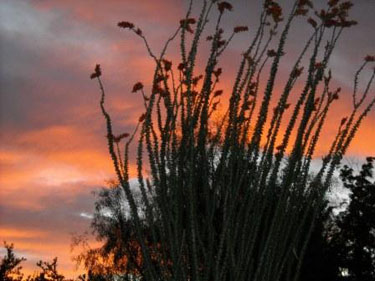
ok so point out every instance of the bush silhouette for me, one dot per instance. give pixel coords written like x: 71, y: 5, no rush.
x: 10, y: 268
x: 237, y: 201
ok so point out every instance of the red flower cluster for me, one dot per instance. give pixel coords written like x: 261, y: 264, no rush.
x: 221, y: 43
x: 238, y: 29
x: 312, y: 22
x: 137, y: 86
x: 181, y: 66
x: 369, y: 58
x: 139, y: 32
x: 301, y: 12
x: 316, y: 102
x: 142, y: 118
x: 332, y: 3
x: 125, y: 24
x: 274, y: 9
x: 297, y: 72
x: 185, y: 23
x: 197, y: 79
x: 97, y: 72
x: 218, y: 93
x: 118, y: 138
x: 304, y: 3
x: 318, y: 65
x: 217, y: 72
x: 279, y: 147
x: 335, y: 94
x: 271, y: 53
x: 222, y: 6
x: 214, y: 105
x: 337, y: 14
x: 348, y: 23
x: 303, y: 7
x: 343, y: 121
x: 167, y: 65
x: 346, y: 5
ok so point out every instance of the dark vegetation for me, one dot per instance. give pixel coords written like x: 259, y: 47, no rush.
x: 341, y: 248
x: 10, y: 268
x: 236, y: 199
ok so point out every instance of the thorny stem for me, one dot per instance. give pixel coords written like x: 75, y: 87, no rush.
x: 218, y: 204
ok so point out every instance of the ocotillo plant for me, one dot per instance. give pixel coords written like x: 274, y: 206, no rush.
x: 236, y: 201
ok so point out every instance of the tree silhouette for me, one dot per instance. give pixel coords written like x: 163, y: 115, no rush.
x: 10, y: 268
x: 342, y: 247
x: 356, y: 236
x: 48, y: 272
x: 119, y: 252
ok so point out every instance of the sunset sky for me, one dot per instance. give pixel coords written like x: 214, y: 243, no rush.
x: 52, y: 137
